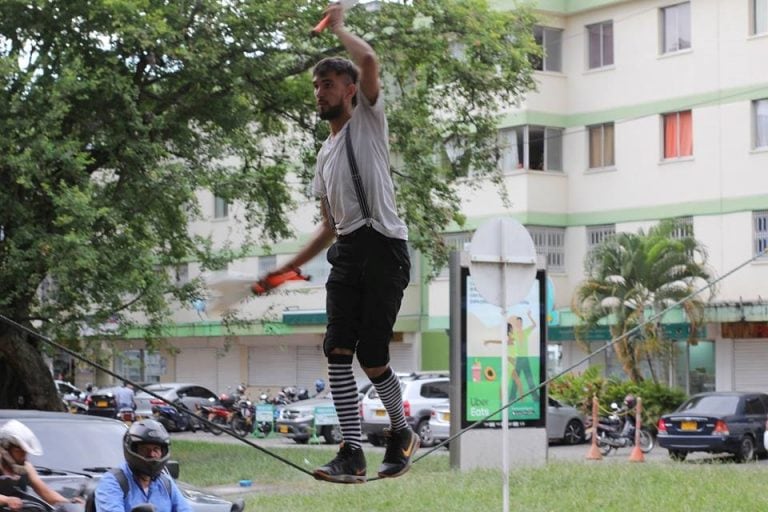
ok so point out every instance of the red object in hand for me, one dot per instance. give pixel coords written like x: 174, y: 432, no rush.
x: 321, y: 26
x: 262, y: 286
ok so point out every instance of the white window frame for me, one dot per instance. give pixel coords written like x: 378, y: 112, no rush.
x: 220, y: 208
x: 598, y: 233
x: 684, y: 228
x: 549, y: 242
x: 679, y: 154
x: 551, y: 134
x: 551, y: 38
x: 760, y: 110
x: 760, y: 233
x: 758, y: 17
x: 671, y: 14
x: 600, y: 27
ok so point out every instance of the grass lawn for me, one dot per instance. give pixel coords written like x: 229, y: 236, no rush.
x: 432, y: 486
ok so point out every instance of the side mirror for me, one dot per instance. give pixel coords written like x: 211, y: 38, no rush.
x: 173, y: 468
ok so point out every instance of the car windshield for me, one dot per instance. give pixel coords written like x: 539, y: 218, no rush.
x: 711, y: 404
x: 77, y: 445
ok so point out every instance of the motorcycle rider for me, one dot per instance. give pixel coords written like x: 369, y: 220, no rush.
x: 16, y: 472
x: 146, y: 447
x: 628, y: 413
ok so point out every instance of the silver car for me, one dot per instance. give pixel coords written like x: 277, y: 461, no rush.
x: 191, y: 395
x: 79, y: 449
x: 564, y: 423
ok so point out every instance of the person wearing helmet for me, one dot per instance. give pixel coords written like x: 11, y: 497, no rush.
x: 146, y: 447
x: 628, y: 412
x: 16, y: 442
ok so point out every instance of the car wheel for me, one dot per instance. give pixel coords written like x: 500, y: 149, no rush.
x: 332, y: 434
x: 375, y: 440
x: 746, y: 451
x: 678, y: 455
x: 574, y: 432
x: 301, y: 440
x: 425, y: 433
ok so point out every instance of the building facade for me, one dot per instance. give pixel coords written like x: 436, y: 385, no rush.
x: 645, y: 110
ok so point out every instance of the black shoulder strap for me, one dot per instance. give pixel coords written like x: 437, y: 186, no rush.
x: 121, y: 479
x: 356, y: 179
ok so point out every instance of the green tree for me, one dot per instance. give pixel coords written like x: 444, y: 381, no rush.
x: 630, y: 277
x: 115, y: 113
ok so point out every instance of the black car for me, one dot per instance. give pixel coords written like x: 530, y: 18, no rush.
x: 716, y: 422
x: 102, y: 403
x: 78, y: 449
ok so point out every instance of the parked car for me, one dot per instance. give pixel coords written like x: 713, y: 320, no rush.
x: 79, y: 449
x: 102, y: 403
x: 191, y: 395
x: 564, y: 423
x: 67, y: 391
x: 440, y: 422
x: 716, y: 422
x: 296, y: 420
x: 420, y: 393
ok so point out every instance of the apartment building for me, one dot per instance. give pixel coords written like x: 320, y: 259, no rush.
x: 645, y: 110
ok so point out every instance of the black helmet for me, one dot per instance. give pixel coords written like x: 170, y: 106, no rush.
x: 146, y: 432
x: 630, y: 401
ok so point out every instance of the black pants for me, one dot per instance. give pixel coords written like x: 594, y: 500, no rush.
x: 369, y: 272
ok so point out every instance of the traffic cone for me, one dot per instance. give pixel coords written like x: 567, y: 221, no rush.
x: 594, y: 451
x: 636, y: 455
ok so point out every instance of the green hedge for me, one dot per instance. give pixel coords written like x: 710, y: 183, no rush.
x: 577, y: 389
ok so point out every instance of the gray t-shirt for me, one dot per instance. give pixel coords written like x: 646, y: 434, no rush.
x: 333, y: 177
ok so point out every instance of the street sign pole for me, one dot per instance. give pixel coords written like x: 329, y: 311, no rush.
x: 503, y: 268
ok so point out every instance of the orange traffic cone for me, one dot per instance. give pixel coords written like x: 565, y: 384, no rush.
x: 594, y: 451
x: 637, y: 454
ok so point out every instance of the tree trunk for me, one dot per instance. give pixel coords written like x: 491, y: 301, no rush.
x: 25, y: 380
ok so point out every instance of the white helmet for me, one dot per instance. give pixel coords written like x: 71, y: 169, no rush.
x: 16, y: 433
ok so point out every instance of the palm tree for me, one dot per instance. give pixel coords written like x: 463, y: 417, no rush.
x: 629, y: 277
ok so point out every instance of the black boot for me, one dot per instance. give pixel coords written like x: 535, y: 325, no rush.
x: 348, y: 467
x: 401, y: 446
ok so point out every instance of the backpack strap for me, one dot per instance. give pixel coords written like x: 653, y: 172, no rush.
x: 356, y: 179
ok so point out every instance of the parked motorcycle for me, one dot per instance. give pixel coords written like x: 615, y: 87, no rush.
x: 613, y: 432
x: 172, y: 419
x: 242, y: 419
x: 217, y: 412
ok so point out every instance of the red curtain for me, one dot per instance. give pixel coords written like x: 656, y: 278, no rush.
x: 686, y: 133
x: 670, y: 136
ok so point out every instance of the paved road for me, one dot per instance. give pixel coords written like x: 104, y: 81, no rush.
x: 555, y: 453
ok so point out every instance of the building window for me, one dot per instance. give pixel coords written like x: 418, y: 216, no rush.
x: 536, y: 148
x: 678, y: 134
x: 181, y: 274
x: 601, y: 146
x: 597, y: 234
x: 267, y: 264
x: 759, y: 13
x: 550, y: 242
x: 220, y: 208
x: 455, y: 242
x: 551, y: 42
x: 600, y: 42
x: 761, y: 232
x: 676, y: 28
x: 684, y: 228
x: 760, y: 113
